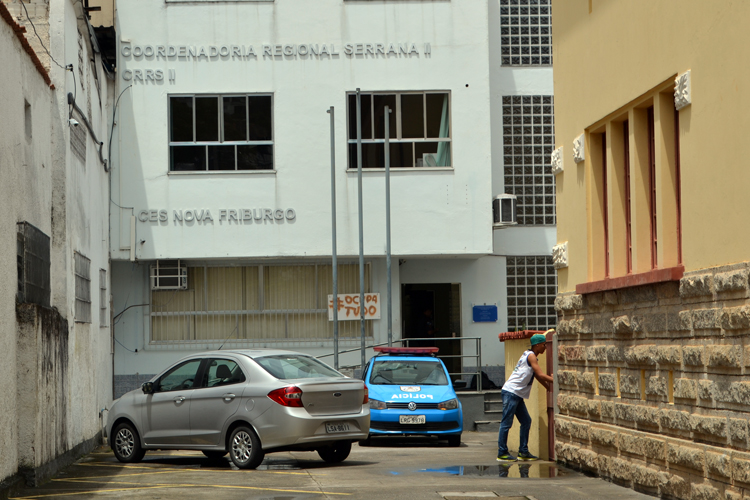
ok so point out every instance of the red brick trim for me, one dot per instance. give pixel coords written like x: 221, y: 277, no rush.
x: 655, y: 276
x: 523, y: 334
x: 19, y: 31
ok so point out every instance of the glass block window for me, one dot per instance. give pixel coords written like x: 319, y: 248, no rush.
x: 528, y: 140
x: 526, y: 32
x: 532, y: 288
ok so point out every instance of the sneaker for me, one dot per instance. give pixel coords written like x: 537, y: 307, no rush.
x: 527, y: 457
x: 506, y: 458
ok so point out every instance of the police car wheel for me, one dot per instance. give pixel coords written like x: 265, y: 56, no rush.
x: 454, y: 441
x: 336, y: 453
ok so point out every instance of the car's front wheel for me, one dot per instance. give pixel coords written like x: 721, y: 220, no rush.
x: 336, y: 453
x: 126, y: 444
x: 244, y: 448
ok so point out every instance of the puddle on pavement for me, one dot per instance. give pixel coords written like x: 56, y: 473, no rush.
x: 511, y: 470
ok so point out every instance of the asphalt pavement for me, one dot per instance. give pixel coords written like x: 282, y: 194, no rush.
x: 413, y: 469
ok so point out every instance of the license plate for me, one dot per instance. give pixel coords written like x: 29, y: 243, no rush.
x: 337, y: 427
x: 411, y: 419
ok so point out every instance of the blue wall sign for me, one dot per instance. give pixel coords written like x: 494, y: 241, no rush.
x: 485, y: 314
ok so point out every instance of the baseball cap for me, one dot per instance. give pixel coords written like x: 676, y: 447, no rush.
x: 538, y: 339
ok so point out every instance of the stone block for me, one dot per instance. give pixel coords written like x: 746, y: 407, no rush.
x: 563, y: 402
x: 706, y: 319
x: 747, y: 355
x: 621, y: 325
x: 568, y: 303
x: 646, y: 476
x: 607, y: 382
x: 610, y: 298
x: 735, y: 318
x: 719, y: 464
x: 731, y: 281
x: 620, y: 469
x: 729, y: 356
x: 706, y: 389
x: 594, y: 409
x: 593, y: 300
x: 577, y: 404
x: 603, y: 437
x: 668, y: 355
x: 696, y: 286
x: 675, y: 421
x: 567, y: 378
x: 704, y: 491
x: 738, y: 431
x: 740, y: 392
x: 562, y: 427
x: 607, y: 410
x: 579, y: 432
x: 656, y: 386
x: 561, y: 353
x: 690, y: 457
x: 668, y: 290
x: 586, y: 382
x: 680, y: 321
x: 626, y: 414
x: 741, y: 467
x: 647, y: 416
x: 574, y: 353
x: 692, y: 355
x: 596, y: 353
x: 684, y: 388
x: 655, y: 322
x: 569, y: 327
x: 641, y: 355
x: 630, y: 444
x: 712, y: 426
x: 617, y: 354
x: 588, y: 459
x: 630, y: 384
x: 676, y: 487
x: 637, y: 294
x: 732, y: 495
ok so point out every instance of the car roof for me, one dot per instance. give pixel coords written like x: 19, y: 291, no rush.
x: 405, y: 358
x: 250, y: 353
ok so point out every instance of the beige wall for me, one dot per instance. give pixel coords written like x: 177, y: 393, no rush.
x: 609, y: 54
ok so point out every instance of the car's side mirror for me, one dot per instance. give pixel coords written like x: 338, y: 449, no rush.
x: 147, y: 388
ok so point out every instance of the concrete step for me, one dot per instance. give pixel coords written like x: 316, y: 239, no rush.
x: 487, y: 425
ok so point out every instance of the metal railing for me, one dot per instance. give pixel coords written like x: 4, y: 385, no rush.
x: 477, y: 356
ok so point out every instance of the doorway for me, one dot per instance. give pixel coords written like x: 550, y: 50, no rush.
x: 443, y: 301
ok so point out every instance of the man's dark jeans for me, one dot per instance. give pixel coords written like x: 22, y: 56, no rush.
x: 513, y: 406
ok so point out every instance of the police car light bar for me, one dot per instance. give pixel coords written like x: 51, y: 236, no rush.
x: 406, y: 350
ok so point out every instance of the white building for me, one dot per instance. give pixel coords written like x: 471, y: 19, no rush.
x: 55, y: 344
x: 222, y: 175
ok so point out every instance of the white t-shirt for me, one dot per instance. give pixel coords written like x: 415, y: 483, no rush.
x: 519, y: 382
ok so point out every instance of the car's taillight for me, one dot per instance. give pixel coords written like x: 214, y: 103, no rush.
x: 287, y: 396
x: 367, y: 396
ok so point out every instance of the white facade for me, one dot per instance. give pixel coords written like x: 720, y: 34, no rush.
x: 443, y: 244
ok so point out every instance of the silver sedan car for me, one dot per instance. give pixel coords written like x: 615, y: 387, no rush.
x: 245, y: 403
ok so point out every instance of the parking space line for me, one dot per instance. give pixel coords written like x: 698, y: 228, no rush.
x: 89, y: 492
x: 187, y: 469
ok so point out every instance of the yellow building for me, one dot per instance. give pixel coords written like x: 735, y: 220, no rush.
x: 653, y: 246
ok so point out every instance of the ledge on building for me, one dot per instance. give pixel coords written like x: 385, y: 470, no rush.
x: 520, y: 335
x: 647, y: 278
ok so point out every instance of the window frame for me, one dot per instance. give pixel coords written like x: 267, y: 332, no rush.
x: 220, y: 112
x: 82, y: 284
x: 399, y: 139
x: 198, y: 374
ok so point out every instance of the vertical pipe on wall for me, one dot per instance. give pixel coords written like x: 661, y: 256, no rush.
x: 389, y: 301
x: 333, y: 247
x: 361, y: 231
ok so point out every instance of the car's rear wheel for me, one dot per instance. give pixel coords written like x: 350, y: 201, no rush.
x: 454, y: 441
x: 244, y: 448
x: 336, y: 453
x: 214, y: 455
x: 126, y: 444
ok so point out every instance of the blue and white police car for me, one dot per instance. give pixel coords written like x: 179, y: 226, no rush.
x: 411, y: 394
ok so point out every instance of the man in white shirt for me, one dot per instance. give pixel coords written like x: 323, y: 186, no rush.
x: 515, y: 390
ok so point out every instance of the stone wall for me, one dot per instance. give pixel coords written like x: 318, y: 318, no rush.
x: 654, y: 392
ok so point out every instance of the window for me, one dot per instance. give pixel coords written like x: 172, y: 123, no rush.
x: 419, y: 129
x: 222, y: 372
x: 220, y: 133
x: 180, y: 377
x: 103, y: 299
x: 532, y: 288
x: 242, y: 305
x: 83, y: 288
x: 526, y: 32
x: 528, y: 141
x: 289, y: 366
x: 408, y: 372
x: 33, y: 265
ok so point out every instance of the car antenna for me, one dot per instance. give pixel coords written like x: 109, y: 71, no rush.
x: 230, y: 336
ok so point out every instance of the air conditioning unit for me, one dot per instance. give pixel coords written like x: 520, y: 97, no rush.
x: 504, y: 211
x: 168, y: 275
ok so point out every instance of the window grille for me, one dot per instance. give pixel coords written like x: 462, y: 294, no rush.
x: 32, y: 265
x: 526, y: 32
x: 220, y: 132
x: 419, y: 129
x: 532, y: 288
x: 254, y: 305
x: 103, y: 299
x: 83, y: 288
x: 528, y: 140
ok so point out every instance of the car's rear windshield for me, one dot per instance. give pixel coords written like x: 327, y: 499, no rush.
x: 400, y: 372
x: 288, y: 366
